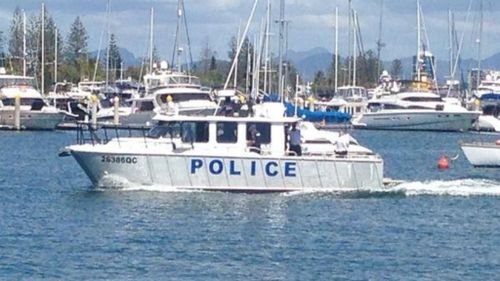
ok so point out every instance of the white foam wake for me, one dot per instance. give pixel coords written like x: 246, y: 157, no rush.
x: 463, y: 187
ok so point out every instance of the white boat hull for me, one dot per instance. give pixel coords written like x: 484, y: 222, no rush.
x: 422, y: 120
x: 32, y: 120
x: 488, y: 123
x: 482, y: 155
x: 262, y: 174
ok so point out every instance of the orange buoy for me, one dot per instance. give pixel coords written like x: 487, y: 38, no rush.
x: 443, y: 163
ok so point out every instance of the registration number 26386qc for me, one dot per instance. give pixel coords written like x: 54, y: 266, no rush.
x: 118, y: 159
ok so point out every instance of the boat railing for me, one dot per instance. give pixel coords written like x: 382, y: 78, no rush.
x: 94, y: 134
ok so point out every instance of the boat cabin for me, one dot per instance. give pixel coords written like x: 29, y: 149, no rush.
x: 233, y: 135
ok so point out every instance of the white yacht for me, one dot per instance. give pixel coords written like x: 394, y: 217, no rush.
x: 185, y: 91
x: 214, y: 153
x: 415, y: 111
x: 482, y: 154
x: 355, y: 100
x: 35, y: 113
x: 487, y: 98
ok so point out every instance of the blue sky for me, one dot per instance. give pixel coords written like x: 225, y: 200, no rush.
x: 213, y: 22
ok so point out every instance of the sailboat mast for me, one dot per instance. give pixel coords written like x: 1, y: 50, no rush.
x: 151, y: 40
x: 241, y: 43
x: 281, y: 46
x: 24, y: 43
x: 349, y: 30
x: 266, y: 55
x: 43, y: 48
x: 380, y: 45
x: 450, y: 38
x: 175, y: 54
x: 109, y: 41
x: 354, y: 49
x: 55, y: 55
x: 235, y: 79
x: 336, y: 48
x: 479, y: 44
x: 417, y: 60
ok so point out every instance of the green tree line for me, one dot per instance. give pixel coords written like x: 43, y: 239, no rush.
x: 367, y: 73
x: 74, y: 63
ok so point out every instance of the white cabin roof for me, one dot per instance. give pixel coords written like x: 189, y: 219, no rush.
x: 180, y: 118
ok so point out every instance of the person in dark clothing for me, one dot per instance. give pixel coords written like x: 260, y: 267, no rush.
x: 295, y: 140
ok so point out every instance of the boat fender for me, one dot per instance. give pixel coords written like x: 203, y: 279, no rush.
x: 497, y: 142
x: 443, y: 163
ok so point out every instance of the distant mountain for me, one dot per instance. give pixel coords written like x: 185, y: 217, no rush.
x: 128, y: 58
x: 309, y: 62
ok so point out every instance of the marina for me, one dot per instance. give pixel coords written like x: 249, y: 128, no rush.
x: 249, y: 140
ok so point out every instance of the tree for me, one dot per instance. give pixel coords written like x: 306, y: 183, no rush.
x: 396, y: 68
x: 115, y: 59
x: 206, y: 55
x: 243, y: 58
x: 34, y: 47
x: 16, y: 40
x: 319, y: 81
x: 76, y: 46
x: 213, y: 63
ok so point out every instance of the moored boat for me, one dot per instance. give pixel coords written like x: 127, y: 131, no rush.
x: 482, y: 154
x: 423, y: 111
x: 34, y: 112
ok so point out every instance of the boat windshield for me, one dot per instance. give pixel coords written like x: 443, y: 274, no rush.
x: 183, y: 97
x: 188, y: 132
x: 18, y: 81
x: 24, y: 101
x: 423, y: 99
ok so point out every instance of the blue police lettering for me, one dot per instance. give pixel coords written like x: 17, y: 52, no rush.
x: 290, y: 169
x: 216, y: 167
x: 271, y: 168
x: 232, y: 168
x: 253, y: 168
x: 270, y: 172
x: 195, y: 165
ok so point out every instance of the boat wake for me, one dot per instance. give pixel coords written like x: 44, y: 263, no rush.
x: 462, y: 187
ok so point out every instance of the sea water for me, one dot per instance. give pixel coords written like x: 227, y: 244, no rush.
x: 435, y: 225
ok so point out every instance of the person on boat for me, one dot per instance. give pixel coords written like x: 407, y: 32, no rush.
x: 254, y: 139
x: 171, y: 107
x: 228, y: 108
x: 295, y: 139
x: 342, y: 144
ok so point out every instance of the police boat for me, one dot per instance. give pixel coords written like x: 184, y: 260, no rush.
x: 220, y: 153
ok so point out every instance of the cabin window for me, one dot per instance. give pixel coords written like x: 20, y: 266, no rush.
x: 189, y: 132
x: 146, y: 106
x: 227, y: 132
x: 259, y: 132
x: 184, y: 97
x: 194, y: 131
x: 423, y: 99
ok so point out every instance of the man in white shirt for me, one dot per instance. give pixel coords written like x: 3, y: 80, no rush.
x: 295, y: 140
x: 342, y: 144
